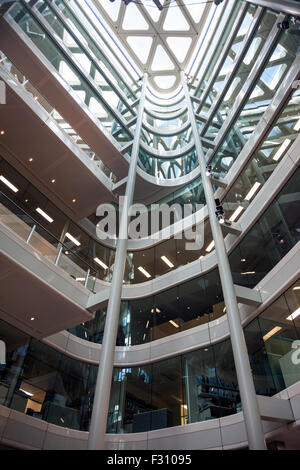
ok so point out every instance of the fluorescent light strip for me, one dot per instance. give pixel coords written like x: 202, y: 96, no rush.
x: 249, y: 272
x: 210, y: 246
x: 236, y: 213
x: 173, y: 323
x: 8, y: 184
x: 70, y: 237
x: 147, y: 324
x: 282, y: 149
x: 26, y: 393
x: 296, y: 288
x: 143, y: 271
x: 252, y: 191
x: 167, y: 261
x: 43, y: 214
x: 103, y: 265
x: 272, y: 332
x: 294, y: 315
x: 297, y: 125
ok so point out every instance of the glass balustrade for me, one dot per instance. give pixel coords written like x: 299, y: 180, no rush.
x: 88, y: 91
x: 200, y: 300
x: 196, y: 386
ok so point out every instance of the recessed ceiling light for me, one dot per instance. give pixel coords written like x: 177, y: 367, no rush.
x: 243, y: 260
x: 167, y: 261
x: 26, y: 200
x: 297, y: 126
x: 44, y: 214
x: 252, y: 191
x: 9, y: 184
x: 26, y: 393
x: 294, y: 315
x: 236, y: 213
x: 272, y: 332
x: 53, y: 180
x: 103, y: 265
x: 281, y: 149
x: 73, y: 239
x: 30, y: 159
x: 143, y: 271
x: 210, y: 246
x: 73, y: 200
x: 32, y: 318
x: 2, y: 132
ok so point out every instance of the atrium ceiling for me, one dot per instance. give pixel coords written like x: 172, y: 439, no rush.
x: 159, y: 42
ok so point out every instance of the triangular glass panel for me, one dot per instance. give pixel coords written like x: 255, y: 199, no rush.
x: 161, y: 60
x: 179, y: 46
x: 133, y: 19
x: 175, y: 21
x: 152, y: 11
x: 141, y: 46
x: 165, y: 81
x: 111, y: 8
x: 195, y: 9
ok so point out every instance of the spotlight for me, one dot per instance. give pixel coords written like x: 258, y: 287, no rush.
x: 283, y: 25
x: 208, y: 170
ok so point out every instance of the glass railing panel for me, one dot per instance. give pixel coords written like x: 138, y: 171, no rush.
x: 242, y: 74
x: 80, y: 56
x: 96, y: 49
x: 66, y: 128
x: 69, y: 73
x: 26, y: 227
x: 229, y: 60
x: 265, y: 159
x: 268, y: 83
x: 187, y: 388
x: 179, y: 308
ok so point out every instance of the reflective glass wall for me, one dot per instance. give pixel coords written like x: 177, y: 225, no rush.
x: 198, y: 386
x: 200, y: 300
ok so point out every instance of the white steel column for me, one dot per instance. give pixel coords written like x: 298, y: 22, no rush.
x: 103, y: 385
x: 251, y: 412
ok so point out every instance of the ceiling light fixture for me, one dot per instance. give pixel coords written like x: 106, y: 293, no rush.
x: 103, y: 265
x: 272, y: 332
x: 167, y: 261
x: 282, y: 149
x: 248, y: 272
x: 30, y: 159
x: 43, y: 214
x: 2, y: 132
x: 53, y: 181
x: 210, y: 246
x: 252, y: 191
x: 174, y: 324
x: 297, y: 126
x: 70, y: 237
x: 143, y: 271
x: 236, y: 213
x: 97, y: 260
x: 296, y: 288
x: 9, y: 184
x: 294, y: 315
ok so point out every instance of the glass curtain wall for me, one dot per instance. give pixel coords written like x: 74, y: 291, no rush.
x: 200, y: 385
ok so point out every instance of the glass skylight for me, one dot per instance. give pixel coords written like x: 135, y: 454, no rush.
x: 161, y: 43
